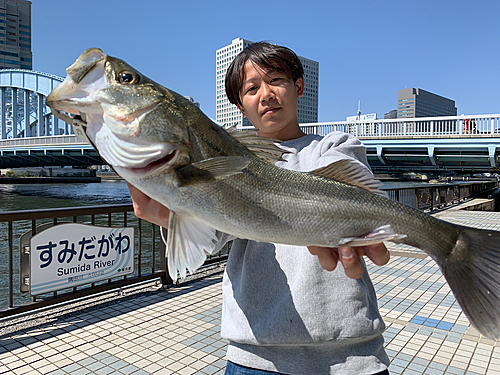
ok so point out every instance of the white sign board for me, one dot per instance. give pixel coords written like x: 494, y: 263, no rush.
x: 367, y: 117
x: 73, y: 254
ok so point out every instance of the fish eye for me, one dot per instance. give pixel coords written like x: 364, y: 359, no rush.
x: 128, y: 77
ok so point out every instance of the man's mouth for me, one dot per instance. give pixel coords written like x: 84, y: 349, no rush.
x: 270, y: 111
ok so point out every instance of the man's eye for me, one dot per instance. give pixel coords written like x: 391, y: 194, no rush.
x: 251, y: 88
x: 274, y: 80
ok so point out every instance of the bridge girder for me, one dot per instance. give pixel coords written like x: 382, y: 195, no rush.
x: 462, y: 155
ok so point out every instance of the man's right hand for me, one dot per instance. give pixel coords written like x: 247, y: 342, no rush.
x: 147, y: 208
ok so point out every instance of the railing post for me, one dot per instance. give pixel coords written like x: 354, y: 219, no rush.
x: 432, y: 199
x: 165, y: 279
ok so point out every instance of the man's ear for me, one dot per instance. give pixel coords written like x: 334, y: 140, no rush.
x: 242, y: 110
x: 299, y: 84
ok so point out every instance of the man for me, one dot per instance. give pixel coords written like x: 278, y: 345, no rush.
x: 283, y: 311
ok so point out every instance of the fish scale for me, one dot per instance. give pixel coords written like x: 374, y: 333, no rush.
x: 214, y: 179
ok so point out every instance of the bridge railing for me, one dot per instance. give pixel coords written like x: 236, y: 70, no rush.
x: 457, y: 126
x: 41, y: 141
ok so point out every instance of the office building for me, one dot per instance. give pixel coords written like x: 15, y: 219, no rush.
x: 15, y: 34
x: 414, y: 102
x: 229, y: 114
x: 391, y: 114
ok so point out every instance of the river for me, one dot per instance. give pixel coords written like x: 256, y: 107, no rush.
x: 14, y: 197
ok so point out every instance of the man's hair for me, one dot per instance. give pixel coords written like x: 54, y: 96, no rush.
x: 265, y: 55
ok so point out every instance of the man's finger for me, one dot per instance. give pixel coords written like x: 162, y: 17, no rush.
x: 327, y: 256
x: 378, y: 254
x: 351, y: 262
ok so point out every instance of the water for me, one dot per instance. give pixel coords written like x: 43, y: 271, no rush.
x: 14, y: 197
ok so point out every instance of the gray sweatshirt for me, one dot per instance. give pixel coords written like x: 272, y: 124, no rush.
x: 282, y: 312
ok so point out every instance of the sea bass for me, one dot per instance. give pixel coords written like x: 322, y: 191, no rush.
x: 213, y: 180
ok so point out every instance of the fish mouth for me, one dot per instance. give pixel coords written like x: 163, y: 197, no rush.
x: 153, y: 168
x: 135, y: 157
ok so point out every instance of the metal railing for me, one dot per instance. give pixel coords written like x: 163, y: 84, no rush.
x: 456, y: 126
x: 150, y: 259
x: 438, y: 196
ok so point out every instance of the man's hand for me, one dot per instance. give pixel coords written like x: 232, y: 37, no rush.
x: 148, y: 209
x: 350, y: 257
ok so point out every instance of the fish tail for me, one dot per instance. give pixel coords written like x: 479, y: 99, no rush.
x: 472, y: 270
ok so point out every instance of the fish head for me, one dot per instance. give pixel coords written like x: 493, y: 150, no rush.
x: 137, y: 126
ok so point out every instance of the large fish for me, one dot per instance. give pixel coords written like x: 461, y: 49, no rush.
x: 212, y: 179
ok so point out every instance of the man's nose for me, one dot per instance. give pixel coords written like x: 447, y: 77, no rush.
x: 266, y: 93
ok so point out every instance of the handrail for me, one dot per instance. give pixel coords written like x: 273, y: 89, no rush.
x: 457, y: 126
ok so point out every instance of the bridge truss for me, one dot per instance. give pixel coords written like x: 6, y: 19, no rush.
x: 23, y: 111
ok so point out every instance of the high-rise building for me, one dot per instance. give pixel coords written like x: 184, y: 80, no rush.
x: 391, y: 114
x: 15, y: 34
x: 229, y: 114
x: 414, y: 102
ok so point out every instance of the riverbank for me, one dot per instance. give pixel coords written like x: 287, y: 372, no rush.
x: 109, y: 176
x: 48, y: 180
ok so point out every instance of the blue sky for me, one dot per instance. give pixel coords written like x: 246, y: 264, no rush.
x: 367, y: 50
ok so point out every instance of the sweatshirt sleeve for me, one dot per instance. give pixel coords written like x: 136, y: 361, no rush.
x: 338, y: 146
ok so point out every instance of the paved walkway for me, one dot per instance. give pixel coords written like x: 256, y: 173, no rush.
x: 177, y: 331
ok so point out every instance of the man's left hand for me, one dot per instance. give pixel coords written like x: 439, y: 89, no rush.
x: 350, y: 257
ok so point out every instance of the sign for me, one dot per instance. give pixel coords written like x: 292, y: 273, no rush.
x: 367, y: 117
x: 68, y: 255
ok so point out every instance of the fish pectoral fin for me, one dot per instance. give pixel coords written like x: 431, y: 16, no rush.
x: 351, y: 173
x: 212, y: 169
x: 381, y: 234
x: 188, y: 243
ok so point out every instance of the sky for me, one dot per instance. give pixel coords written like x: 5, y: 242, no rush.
x: 367, y: 50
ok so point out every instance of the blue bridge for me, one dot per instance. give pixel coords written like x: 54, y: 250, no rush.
x: 31, y: 136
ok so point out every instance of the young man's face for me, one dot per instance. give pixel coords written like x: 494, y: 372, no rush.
x: 270, y: 101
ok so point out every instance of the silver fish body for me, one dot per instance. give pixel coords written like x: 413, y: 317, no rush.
x: 212, y: 179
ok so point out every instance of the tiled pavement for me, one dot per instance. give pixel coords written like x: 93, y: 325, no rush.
x: 177, y: 331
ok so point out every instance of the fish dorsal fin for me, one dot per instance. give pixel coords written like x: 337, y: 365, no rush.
x: 264, y: 148
x: 188, y: 243
x: 351, y: 173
